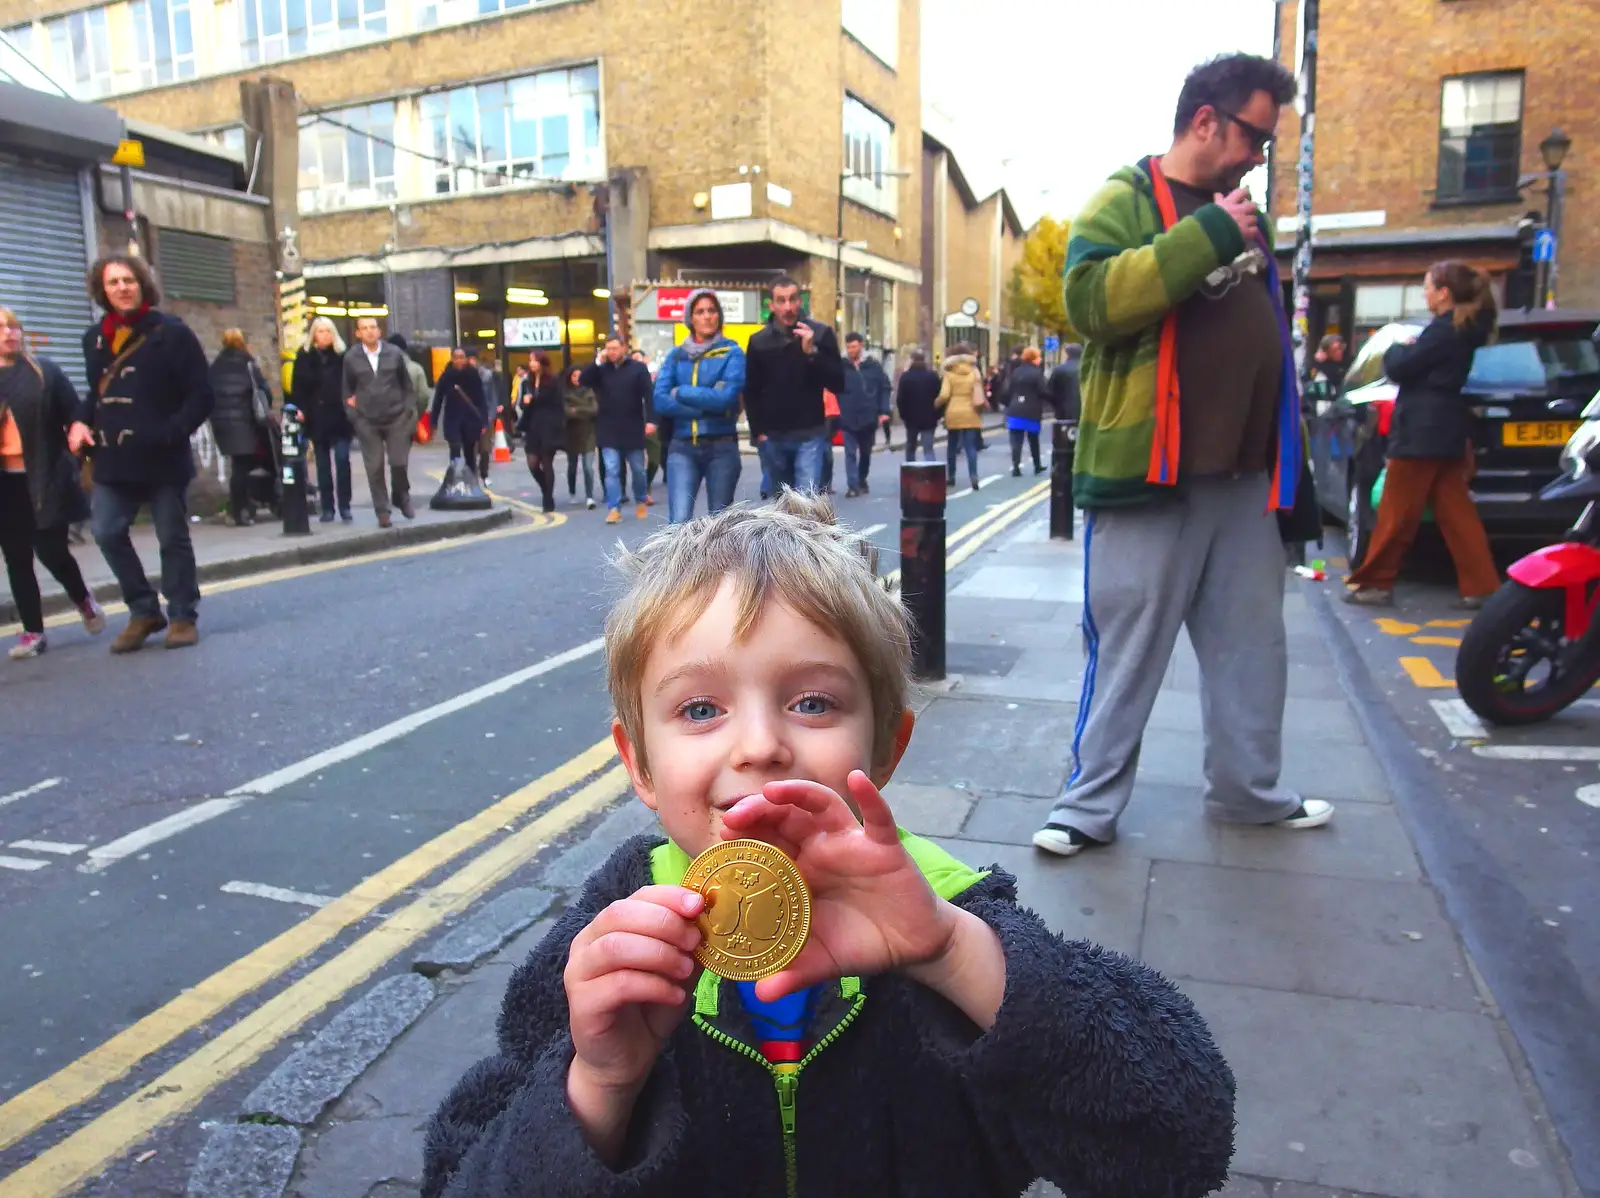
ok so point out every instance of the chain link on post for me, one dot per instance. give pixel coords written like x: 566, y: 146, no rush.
x: 292, y: 481
x: 922, y: 534
x: 1063, y: 448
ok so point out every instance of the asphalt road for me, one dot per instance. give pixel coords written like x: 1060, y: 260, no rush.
x: 121, y: 899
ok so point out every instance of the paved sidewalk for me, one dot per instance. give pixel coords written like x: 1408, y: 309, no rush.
x: 1370, y: 1062
x: 222, y: 551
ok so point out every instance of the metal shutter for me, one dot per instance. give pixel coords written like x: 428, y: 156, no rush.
x: 195, y: 266
x: 43, y: 258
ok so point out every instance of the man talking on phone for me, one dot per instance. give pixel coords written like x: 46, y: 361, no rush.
x: 1188, y: 446
x: 787, y: 366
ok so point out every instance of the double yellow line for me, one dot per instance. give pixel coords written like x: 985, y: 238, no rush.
x: 99, y: 1143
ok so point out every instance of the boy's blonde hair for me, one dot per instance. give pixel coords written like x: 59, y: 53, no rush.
x: 791, y: 551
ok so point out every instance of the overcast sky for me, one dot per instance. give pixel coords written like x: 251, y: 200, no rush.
x: 1069, y: 90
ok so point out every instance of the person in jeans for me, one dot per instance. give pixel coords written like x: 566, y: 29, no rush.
x: 698, y: 388
x: 1188, y: 448
x: 788, y: 364
x: 149, y: 391
x: 916, y: 396
x: 40, y: 496
x: 1025, y: 410
x: 235, y: 382
x: 623, y: 419
x: 1430, y: 442
x: 863, y: 409
x: 383, y: 410
x: 962, y: 400
x: 316, y: 387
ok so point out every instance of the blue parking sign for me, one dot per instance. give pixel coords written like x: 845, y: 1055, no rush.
x: 1544, y: 245
x: 1051, y: 344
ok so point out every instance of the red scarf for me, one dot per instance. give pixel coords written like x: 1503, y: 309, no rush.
x: 114, y: 320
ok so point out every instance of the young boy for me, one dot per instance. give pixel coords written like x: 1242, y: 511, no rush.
x: 932, y: 1038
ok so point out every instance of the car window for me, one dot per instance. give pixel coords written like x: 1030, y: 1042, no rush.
x: 1534, y: 363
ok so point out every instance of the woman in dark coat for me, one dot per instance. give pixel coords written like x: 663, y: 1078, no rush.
x: 916, y: 394
x: 458, y: 397
x: 40, y: 492
x: 316, y: 386
x: 1429, y: 442
x: 235, y: 378
x: 1025, y: 393
x: 543, y: 424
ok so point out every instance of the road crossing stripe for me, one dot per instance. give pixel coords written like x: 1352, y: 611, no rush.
x: 47, y: 846
x: 22, y: 864
x: 278, y: 894
x: 100, y: 1066
x: 1459, y: 719
x: 1424, y: 673
x: 37, y: 787
x: 1538, y: 752
x: 89, y: 1150
x: 1589, y: 795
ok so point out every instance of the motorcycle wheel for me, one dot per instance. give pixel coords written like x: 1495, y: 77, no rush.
x: 1512, y: 667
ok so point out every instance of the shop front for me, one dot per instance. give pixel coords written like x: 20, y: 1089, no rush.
x: 507, y: 311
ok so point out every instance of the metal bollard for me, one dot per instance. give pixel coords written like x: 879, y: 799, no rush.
x: 296, y: 516
x: 922, y: 492
x: 1063, y: 447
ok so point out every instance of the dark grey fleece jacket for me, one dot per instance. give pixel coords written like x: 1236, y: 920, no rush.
x: 1097, y: 1074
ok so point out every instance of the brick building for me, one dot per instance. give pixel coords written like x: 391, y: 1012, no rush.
x: 453, y: 156
x: 1429, y: 118
x: 970, y: 247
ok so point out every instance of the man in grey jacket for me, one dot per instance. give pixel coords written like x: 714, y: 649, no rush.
x: 384, y: 413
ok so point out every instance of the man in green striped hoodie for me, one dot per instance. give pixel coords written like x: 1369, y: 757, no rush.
x: 1188, y: 445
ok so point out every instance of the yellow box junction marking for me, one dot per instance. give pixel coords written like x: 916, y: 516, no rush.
x: 1424, y: 673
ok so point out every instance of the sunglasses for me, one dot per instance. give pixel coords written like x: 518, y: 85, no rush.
x: 1259, y: 138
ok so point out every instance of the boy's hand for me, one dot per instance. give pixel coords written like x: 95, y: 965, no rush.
x: 871, y: 909
x: 626, y: 978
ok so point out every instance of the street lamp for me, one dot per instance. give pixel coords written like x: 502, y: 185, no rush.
x: 1553, y: 149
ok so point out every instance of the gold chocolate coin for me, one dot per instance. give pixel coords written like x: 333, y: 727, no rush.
x: 757, y: 913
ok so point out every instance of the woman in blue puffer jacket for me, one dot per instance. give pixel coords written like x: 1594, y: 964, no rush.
x: 699, y: 387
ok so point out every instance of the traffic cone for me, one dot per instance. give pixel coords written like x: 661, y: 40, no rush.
x: 502, y: 447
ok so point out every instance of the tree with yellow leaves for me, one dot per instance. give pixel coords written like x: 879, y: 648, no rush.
x: 1035, y: 284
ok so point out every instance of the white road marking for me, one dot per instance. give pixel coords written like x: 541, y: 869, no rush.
x: 277, y: 894
x: 22, y: 863
x: 1538, y: 752
x: 962, y: 494
x: 29, y: 790
x: 871, y: 530
x: 1589, y: 795
x: 1459, y: 719
x: 142, y: 838
x: 48, y: 846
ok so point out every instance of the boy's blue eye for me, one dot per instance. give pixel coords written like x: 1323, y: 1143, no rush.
x: 813, y: 705
x: 700, y: 711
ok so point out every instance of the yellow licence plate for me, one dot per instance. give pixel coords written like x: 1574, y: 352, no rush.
x: 1537, y: 432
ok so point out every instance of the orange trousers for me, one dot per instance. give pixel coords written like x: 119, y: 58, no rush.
x: 1412, y: 486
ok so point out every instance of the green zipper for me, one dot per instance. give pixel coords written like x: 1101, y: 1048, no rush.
x: 786, y: 1084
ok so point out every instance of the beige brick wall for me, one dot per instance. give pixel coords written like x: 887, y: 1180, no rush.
x: 466, y: 221
x: 1378, y: 102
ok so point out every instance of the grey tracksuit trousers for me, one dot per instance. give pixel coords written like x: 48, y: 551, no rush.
x: 1211, y: 561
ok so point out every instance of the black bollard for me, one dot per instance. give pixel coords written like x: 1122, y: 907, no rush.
x: 296, y: 515
x: 922, y: 492
x: 1063, y: 447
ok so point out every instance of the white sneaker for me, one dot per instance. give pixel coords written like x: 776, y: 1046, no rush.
x: 29, y: 644
x: 589, y: 504
x: 1312, y: 813
x: 1062, y: 840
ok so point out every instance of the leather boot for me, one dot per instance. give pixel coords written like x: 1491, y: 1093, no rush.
x: 400, y: 486
x: 182, y: 634
x: 140, y: 629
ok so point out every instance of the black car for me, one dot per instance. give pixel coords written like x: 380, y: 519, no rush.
x: 1526, y: 391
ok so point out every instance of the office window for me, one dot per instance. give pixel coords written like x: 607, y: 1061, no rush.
x: 544, y: 126
x: 80, y: 52
x: 347, y: 159
x: 164, y: 40
x: 230, y: 138
x: 1480, y: 137
x: 275, y: 29
x: 868, y: 142
x: 428, y: 13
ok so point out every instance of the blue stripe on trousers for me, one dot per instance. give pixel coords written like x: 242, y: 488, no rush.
x: 1091, y: 637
